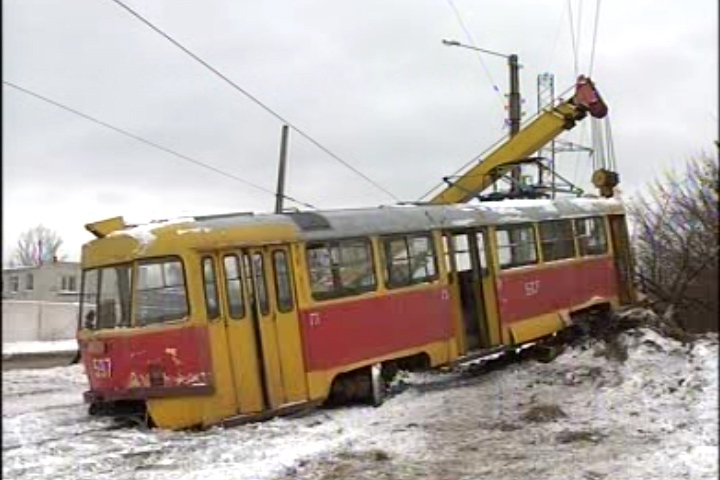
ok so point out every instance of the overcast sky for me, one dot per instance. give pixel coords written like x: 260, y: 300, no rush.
x: 369, y: 79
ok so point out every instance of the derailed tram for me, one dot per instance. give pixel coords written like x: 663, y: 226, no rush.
x: 229, y: 318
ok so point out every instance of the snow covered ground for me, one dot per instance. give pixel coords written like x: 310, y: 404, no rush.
x: 643, y: 408
x: 58, y: 346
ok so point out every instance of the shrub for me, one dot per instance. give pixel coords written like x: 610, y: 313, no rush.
x: 675, y: 233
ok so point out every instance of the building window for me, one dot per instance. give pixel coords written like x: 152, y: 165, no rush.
x: 29, y: 281
x: 409, y: 259
x: 68, y: 283
x: 516, y: 246
x: 591, y: 236
x: 14, y: 283
x: 340, y: 268
x: 557, y: 240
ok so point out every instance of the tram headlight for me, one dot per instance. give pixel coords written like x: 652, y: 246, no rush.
x: 96, y: 347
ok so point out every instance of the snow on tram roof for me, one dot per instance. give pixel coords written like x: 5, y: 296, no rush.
x: 405, y: 218
x: 325, y: 224
x: 144, y: 233
x: 399, y: 219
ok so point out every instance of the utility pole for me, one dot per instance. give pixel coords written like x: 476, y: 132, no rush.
x: 514, y: 102
x: 514, y: 113
x: 280, y: 195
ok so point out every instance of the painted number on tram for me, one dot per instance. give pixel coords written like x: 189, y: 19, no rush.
x: 532, y: 288
x: 102, y: 367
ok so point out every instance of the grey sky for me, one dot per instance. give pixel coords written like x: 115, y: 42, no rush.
x: 370, y: 80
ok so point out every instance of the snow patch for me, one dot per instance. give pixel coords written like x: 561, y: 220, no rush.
x: 59, y: 346
x: 193, y: 230
x: 653, y: 415
x: 144, y: 235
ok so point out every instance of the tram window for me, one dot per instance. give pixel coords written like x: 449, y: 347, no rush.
x: 462, y: 252
x: 212, y: 303
x: 397, y: 260
x: 557, y: 240
x: 516, y: 246
x: 340, y: 268
x: 160, y: 292
x: 448, y: 256
x: 233, y: 286
x: 482, y: 256
x: 321, y: 270
x: 283, y: 283
x: 110, y: 308
x: 259, y: 283
x: 88, y: 299
x: 423, y: 253
x: 106, y: 298
x: 409, y: 259
x: 356, y: 267
x: 591, y: 236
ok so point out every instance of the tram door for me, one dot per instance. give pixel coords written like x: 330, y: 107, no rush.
x: 468, y: 269
x: 265, y: 352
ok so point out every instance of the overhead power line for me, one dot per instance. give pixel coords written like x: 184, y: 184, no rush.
x: 594, y: 40
x: 471, y: 40
x: 572, y: 37
x: 253, y: 98
x: 152, y: 144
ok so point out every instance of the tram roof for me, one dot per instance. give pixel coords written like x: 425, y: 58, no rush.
x: 328, y: 224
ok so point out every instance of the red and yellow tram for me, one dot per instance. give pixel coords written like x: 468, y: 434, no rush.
x: 212, y: 319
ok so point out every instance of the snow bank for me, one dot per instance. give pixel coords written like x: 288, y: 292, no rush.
x: 59, y: 346
x: 649, y: 411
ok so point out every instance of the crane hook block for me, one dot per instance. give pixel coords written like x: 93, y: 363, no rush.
x: 605, y: 181
x: 587, y: 97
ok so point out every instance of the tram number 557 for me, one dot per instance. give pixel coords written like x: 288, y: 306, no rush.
x: 532, y: 288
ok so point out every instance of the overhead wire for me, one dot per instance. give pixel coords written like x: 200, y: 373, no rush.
x: 253, y: 98
x: 151, y: 143
x: 578, y: 37
x: 471, y: 40
x: 572, y: 38
x: 594, y: 39
x: 558, y: 29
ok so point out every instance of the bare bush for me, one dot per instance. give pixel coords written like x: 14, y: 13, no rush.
x: 675, y: 233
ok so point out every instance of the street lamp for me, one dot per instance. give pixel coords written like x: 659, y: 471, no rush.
x: 513, y: 94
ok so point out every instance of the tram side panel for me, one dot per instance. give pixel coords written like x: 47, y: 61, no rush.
x: 530, y: 300
x: 356, y: 330
x: 157, y: 364
x: 534, y: 299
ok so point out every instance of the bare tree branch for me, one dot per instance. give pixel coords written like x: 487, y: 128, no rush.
x: 36, y: 246
x: 676, y: 243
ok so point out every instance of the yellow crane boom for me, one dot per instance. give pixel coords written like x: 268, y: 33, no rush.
x: 529, y: 140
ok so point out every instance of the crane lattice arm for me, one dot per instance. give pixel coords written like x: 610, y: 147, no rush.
x: 527, y: 141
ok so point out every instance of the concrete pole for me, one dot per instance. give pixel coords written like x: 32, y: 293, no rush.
x: 280, y: 195
x: 514, y: 110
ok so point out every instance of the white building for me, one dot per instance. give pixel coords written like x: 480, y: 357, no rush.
x: 40, y: 303
x: 49, y: 282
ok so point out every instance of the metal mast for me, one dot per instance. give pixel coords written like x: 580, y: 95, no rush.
x: 546, y: 100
